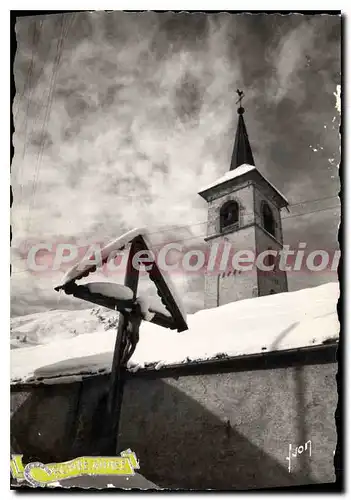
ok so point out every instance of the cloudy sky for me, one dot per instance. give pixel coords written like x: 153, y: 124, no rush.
x: 120, y: 118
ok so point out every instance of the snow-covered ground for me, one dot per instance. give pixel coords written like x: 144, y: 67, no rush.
x: 50, y: 326
x: 80, y: 343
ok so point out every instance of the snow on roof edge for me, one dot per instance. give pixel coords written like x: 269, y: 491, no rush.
x: 156, y: 366
x: 237, y: 172
x: 303, y: 319
x: 231, y: 174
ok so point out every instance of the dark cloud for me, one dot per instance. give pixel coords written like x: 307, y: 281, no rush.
x: 71, y: 131
x: 184, y: 30
x: 188, y: 97
x: 40, y: 139
x: 107, y: 97
x: 77, y: 106
x: 82, y: 25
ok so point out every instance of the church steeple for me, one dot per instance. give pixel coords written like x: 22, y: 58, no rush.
x: 242, y: 150
x: 244, y: 212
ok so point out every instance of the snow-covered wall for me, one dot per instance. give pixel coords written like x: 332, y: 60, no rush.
x: 281, y: 322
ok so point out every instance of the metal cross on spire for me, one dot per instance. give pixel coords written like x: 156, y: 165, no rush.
x: 241, y: 96
x: 242, y: 150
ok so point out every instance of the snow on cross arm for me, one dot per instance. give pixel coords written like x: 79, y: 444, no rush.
x: 118, y: 244
x: 113, y: 290
x: 114, y: 246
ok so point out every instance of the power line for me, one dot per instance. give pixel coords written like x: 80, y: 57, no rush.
x: 311, y: 212
x: 204, y: 235
x: 160, y: 231
x: 63, y: 34
x: 28, y: 85
x: 149, y: 196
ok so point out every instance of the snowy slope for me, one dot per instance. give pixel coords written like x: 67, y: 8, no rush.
x: 265, y: 324
x: 45, y: 327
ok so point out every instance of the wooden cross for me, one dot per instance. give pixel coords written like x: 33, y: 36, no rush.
x: 129, y: 322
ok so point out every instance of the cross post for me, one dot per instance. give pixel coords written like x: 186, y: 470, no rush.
x: 114, y: 401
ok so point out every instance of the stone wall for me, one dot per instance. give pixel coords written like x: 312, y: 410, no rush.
x: 233, y: 430
x: 269, y: 280
x: 213, y: 428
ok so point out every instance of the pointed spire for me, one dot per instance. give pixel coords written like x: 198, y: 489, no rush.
x: 242, y: 150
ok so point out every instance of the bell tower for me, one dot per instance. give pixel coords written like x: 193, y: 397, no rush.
x: 243, y: 219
